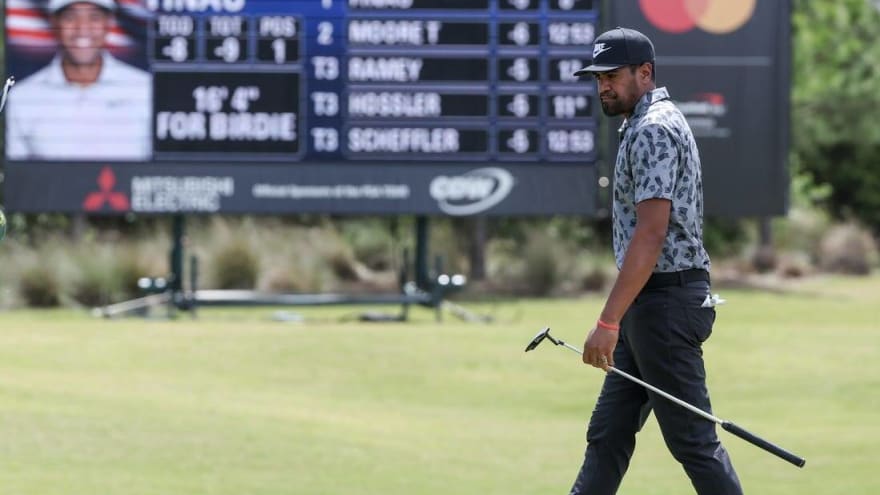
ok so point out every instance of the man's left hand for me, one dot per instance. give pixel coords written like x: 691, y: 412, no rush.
x: 599, y: 348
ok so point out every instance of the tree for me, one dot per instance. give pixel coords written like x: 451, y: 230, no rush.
x: 836, y: 94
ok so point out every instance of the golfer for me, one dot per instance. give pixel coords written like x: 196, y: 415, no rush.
x: 659, y: 311
x: 85, y: 104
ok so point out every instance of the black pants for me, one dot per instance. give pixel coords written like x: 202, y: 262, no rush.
x: 660, y: 342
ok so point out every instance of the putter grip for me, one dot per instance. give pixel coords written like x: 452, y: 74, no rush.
x: 764, y: 444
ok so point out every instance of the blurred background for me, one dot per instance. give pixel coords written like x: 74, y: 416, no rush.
x: 242, y: 162
x: 807, y: 204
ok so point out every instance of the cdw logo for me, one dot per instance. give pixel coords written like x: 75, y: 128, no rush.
x: 105, y: 195
x: 471, y: 192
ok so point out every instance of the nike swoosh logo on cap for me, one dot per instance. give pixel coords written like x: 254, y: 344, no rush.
x: 600, y: 48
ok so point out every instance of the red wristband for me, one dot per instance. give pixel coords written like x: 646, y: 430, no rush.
x: 607, y: 326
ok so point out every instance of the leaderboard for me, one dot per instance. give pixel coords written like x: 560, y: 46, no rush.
x: 373, y: 80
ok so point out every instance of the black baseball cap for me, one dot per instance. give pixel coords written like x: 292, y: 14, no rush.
x: 618, y: 47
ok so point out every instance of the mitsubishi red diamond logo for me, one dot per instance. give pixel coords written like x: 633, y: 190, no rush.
x: 106, y: 195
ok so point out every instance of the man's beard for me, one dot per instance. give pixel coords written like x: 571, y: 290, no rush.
x: 613, y: 107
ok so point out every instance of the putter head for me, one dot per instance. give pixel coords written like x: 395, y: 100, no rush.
x: 543, y: 334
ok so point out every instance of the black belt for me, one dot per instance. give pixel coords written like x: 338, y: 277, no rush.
x: 680, y: 279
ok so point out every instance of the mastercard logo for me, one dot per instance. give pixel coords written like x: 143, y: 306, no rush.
x: 712, y: 16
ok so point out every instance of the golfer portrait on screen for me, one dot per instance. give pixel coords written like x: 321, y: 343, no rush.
x: 85, y: 104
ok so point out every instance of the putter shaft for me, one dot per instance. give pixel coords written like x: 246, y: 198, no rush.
x: 652, y: 388
x: 727, y: 425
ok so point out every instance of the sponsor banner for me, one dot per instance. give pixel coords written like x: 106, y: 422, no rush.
x: 441, y: 189
x: 726, y: 66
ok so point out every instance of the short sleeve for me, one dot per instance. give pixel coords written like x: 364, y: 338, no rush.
x: 16, y: 142
x: 655, y: 163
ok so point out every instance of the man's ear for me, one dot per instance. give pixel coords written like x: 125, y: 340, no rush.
x: 645, y: 72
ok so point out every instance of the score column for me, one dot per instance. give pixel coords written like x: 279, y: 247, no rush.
x: 518, y: 78
x: 571, y: 123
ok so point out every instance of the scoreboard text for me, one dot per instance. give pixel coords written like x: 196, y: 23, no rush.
x: 389, y: 80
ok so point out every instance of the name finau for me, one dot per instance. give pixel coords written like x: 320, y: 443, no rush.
x: 196, y: 5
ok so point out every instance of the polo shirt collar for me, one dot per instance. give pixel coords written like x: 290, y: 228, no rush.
x: 56, y: 73
x: 645, y: 102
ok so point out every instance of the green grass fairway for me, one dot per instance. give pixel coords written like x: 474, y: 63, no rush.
x: 237, y: 404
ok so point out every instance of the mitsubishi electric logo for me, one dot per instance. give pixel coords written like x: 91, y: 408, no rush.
x: 106, y: 194
x: 472, y: 192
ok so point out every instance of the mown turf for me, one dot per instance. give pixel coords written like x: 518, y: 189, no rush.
x: 235, y: 403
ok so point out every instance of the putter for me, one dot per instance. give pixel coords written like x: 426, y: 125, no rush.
x: 9, y: 83
x: 727, y: 425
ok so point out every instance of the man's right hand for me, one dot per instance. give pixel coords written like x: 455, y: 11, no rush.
x: 599, y: 348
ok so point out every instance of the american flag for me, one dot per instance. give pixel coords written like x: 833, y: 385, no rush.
x: 27, y: 26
